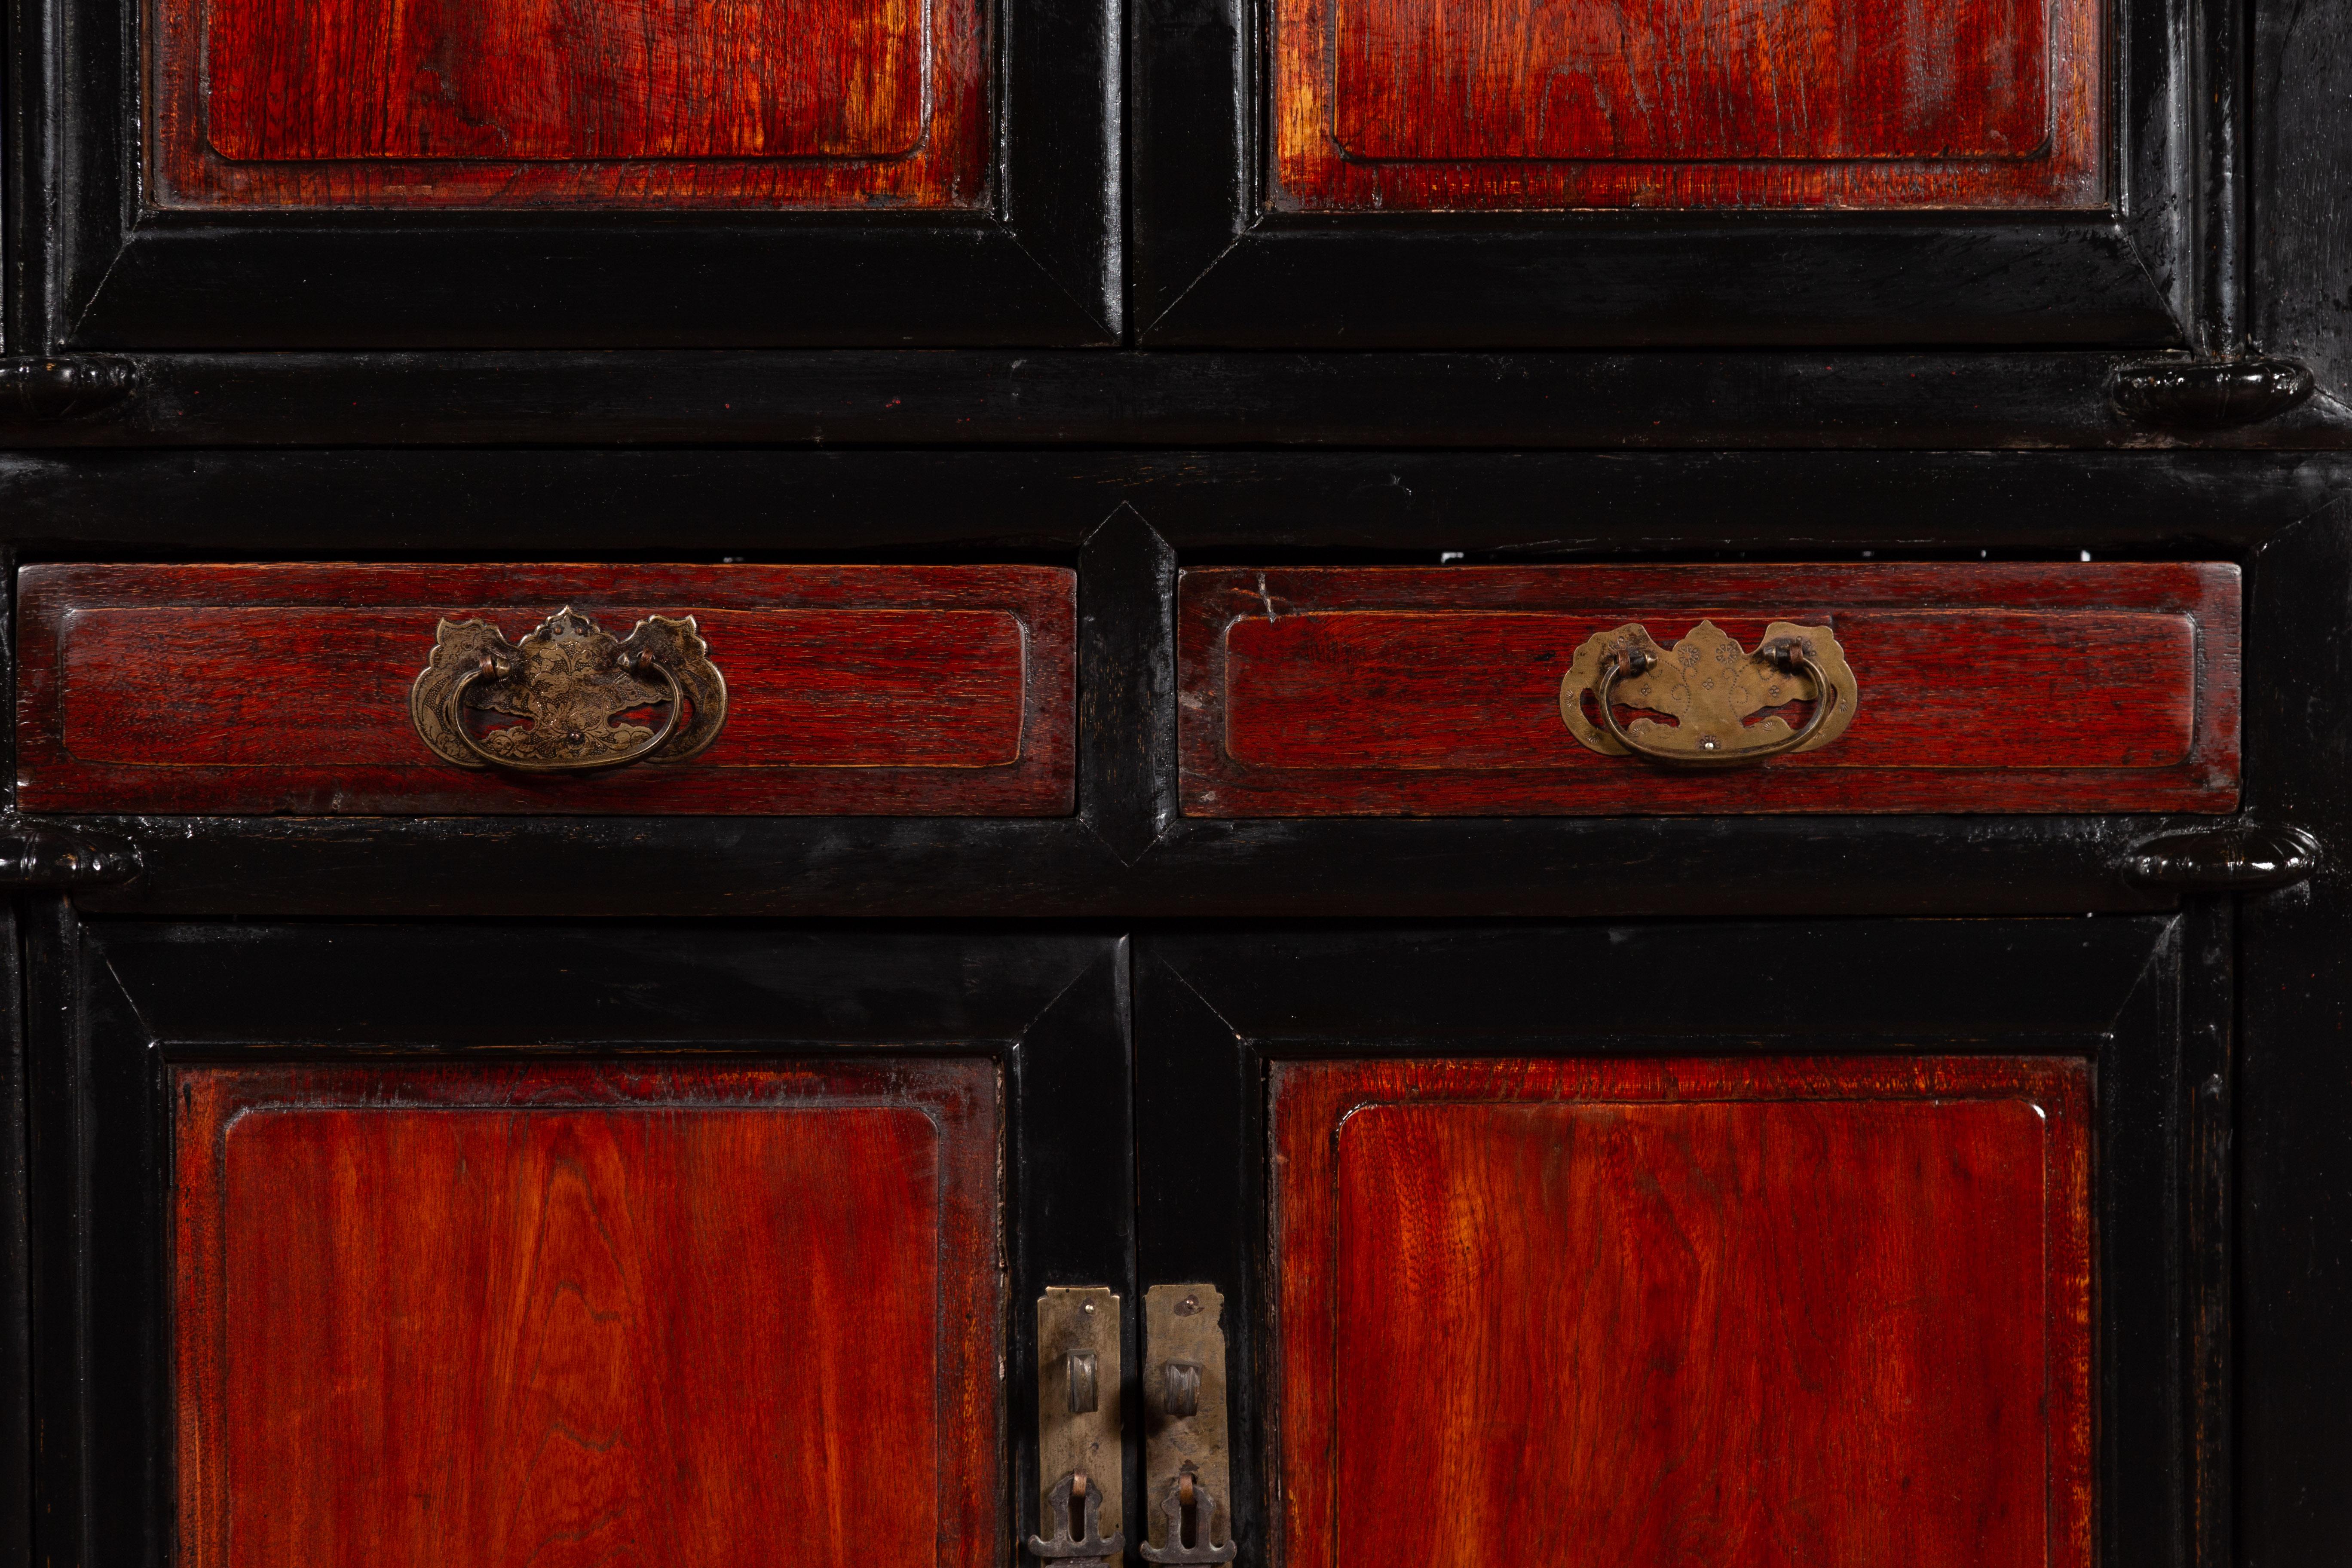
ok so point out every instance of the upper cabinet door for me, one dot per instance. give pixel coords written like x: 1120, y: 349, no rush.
x: 1553, y: 172
x: 519, y: 172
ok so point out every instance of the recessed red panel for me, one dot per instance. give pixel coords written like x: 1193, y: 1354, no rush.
x: 530, y: 102
x: 575, y: 1315
x: 1754, y: 1313
x: 1559, y: 103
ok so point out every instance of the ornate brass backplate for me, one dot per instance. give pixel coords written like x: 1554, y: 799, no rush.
x: 1709, y: 685
x: 571, y: 680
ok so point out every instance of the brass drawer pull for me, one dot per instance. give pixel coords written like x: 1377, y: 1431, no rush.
x: 1708, y: 686
x: 571, y: 680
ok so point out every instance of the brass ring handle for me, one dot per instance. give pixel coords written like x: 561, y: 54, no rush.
x: 492, y: 667
x: 1787, y: 656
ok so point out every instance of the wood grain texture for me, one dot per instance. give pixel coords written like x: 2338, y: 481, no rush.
x: 532, y: 103
x: 1402, y: 690
x: 1826, y: 103
x: 862, y: 691
x: 481, y: 1317
x: 1773, y: 1311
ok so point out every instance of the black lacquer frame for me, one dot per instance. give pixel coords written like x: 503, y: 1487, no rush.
x: 1215, y: 1009
x: 2251, y: 1111
x: 121, y: 1002
x: 102, y: 270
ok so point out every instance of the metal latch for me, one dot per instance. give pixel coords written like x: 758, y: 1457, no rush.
x: 1079, y: 1460
x: 1187, y: 1465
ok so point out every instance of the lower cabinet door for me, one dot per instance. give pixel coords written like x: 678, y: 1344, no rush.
x: 482, y: 1248
x: 1799, y: 1243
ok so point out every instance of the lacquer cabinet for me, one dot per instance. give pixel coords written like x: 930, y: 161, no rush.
x: 1326, y: 784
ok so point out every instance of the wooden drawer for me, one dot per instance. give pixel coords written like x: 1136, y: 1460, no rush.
x: 852, y: 689
x: 2009, y: 687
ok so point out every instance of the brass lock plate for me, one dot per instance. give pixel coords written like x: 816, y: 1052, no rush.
x: 1079, y: 1430
x: 1184, y: 1424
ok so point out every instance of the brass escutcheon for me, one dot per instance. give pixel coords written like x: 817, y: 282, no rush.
x: 571, y: 680
x: 1709, y: 686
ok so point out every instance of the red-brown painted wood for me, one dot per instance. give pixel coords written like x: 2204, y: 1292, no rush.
x: 2011, y: 688
x: 1758, y: 1314
x: 1678, y: 103
x: 862, y: 689
x: 532, y: 102
x: 487, y: 1317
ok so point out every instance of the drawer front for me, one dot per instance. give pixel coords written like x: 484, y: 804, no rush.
x: 2031, y: 687
x: 857, y: 691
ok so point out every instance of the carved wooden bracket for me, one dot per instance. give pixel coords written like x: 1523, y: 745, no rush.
x: 2229, y: 857
x: 37, y: 854
x: 2209, y: 395
x: 39, y: 390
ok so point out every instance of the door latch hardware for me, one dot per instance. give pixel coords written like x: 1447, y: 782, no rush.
x: 1078, y: 1371
x: 1080, y: 1461
x: 1182, y: 1502
x: 1076, y: 1509
x: 1183, y: 1391
x: 1187, y: 1463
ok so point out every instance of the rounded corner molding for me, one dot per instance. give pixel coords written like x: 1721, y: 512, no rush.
x: 42, y: 854
x: 2231, y: 857
x: 2210, y: 394
x: 37, y: 390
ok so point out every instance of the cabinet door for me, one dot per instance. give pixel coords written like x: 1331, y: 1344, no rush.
x: 481, y: 1247
x: 1546, y: 172
x: 508, y: 173
x: 1750, y: 1245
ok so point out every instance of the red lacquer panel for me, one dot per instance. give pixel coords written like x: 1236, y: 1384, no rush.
x: 854, y: 689
x: 1764, y: 1313
x: 2027, y: 688
x: 1559, y: 103
x: 491, y: 1317
x: 610, y: 102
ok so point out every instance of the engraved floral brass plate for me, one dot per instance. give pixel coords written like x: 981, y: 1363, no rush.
x: 571, y: 680
x: 1692, y: 703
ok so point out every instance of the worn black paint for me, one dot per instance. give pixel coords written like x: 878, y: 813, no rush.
x: 1829, y: 397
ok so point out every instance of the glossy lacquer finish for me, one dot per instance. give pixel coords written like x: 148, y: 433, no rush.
x: 1773, y: 1311
x: 534, y: 103
x: 1675, y: 103
x: 2023, y: 687
x: 942, y: 691
x: 490, y: 1317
